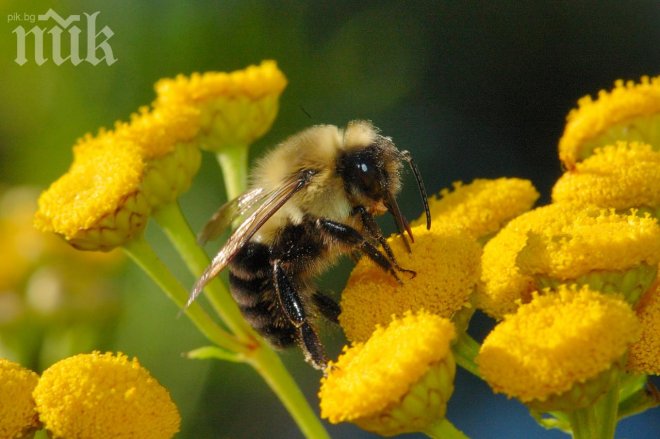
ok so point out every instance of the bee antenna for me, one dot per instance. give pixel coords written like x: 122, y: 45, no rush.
x: 420, y: 185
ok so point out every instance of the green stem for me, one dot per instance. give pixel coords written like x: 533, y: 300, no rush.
x: 171, y: 220
x: 233, y: 161
x: 261, y: 356
x: 606, y: 410
x: 269, y: 365
x: 144, y: 256
x: 641, y: 400
x: 443, y: 429
x: 583, y: 423
x: 465, y: 351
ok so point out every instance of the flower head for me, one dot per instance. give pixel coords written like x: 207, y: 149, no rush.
x: 447, y: 265
x: 630, y: 111
x: 236, y: 108
x: 503, y: 286
x: 398, y: 381
x: 595, y: 242
x: 483, y: 206
x: 620, y: 176
x: 644, y: 355
x: 559, y: 351
x: 104, y: 396
x: 97, y: 204
x: 17, y: 410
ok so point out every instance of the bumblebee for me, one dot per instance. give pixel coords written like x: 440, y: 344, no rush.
x: 310, y: 200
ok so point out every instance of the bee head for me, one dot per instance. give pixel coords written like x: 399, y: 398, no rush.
x: 370, y: 167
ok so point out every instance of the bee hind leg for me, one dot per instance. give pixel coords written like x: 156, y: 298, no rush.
x: 294, y: 309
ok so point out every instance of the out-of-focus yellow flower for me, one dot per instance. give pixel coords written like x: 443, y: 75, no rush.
x: 597, y: 244
x: 503, y: 286
x: 236, y: 108
x: 483, y: 206
x: 398, y: 381
x: 17, y: 410
x: 97, y: 204
x: 104, y: 396
x: 621, y: 176
x: 644, y: 355
x: 447, y: 265
x: 629, y: 112
x: 560, y: 351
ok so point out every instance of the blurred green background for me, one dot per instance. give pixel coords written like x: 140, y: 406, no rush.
x: 472, y: 89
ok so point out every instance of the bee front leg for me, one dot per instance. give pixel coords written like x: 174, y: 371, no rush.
x: 327, y: 306
x: 371, y: 226
x: 348, y: 236
x: 294, y: 309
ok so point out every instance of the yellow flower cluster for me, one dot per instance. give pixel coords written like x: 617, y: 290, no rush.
x: 644, y: 356
x: 631, y: 111
x: 371, y: 383
x: 236, y: 108
x: 483, y: 206
x: 446, y: 262
x: 556, y: 342
x: 86, y: 396
x: 622, y: 176
x: 119, y: 177
x: 18, y: 416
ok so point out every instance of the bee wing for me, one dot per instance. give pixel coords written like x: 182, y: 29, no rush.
x: 228, y: 212
x: 270, y: 204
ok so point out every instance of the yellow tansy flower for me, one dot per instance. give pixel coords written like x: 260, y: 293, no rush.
x: 631, y: 111
x: 398, y: 381
x: 236, y: 108
x: 597, y: 243
x: 483, y: 206
x: 620, y: 176
x: 97, y: 204
x: 644, y: 356
x: 104, y: 396
x: 17, y: 410
x: 447, y: 265
x: 560, y: 351
x: 503, y: 286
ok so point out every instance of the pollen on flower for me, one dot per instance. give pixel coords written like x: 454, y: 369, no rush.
x: 483, y: 206
x: 371, y: 377
x: 158, y: 131
x: 236, y: 108
x: 447, y: 265
x: 556, y: 342
x: 97, y: 204
x: 598, y: 240
x: 621, y: 176
x: 644, y: 355
x: 630, y: 111
x: 118, y: 397
x: 503, y: 286
x: 17, y: 410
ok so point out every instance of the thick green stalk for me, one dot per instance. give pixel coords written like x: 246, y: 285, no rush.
x: 269, y: 365
x: 583, y: 423
x: 171, y: 220
x: 465, y: 351
x: 260, y: 355
x: 144, y: 256
x: 443, y: 429
x: 233, y: 161
x: 607, y: 411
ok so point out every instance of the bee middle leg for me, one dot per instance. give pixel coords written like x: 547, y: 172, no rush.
x: 294, y: 309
